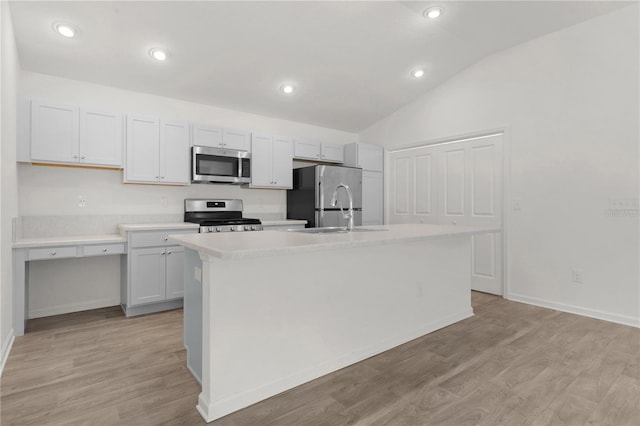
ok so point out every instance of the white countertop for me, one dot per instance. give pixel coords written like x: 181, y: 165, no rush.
x: 232, y: 245
x: 156, y: 226
x: 69, y: 241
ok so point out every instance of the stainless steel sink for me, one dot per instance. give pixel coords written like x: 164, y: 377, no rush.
x: 335, y: 230
x: 327, y: 230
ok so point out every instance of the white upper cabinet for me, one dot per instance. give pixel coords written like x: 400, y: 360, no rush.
x: 63, y: 133
x: 100, y: 137
x: 271, y: 162
x: 236, y: 139
x: 174, y: 153
x: 157, y: 151
x: 54, y: 132
x: 367, y: 157
x: 306, y: 149
x: 218, y: 137
x: 207, y: 136
x: 332, y: 152
x: 143, y: 149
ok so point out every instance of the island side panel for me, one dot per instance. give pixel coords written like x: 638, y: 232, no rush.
x: 271, y: 323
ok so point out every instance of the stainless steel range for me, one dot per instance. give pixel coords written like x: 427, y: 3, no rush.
x: 219, y: 215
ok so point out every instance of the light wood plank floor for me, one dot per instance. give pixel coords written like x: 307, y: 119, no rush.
x: 510, y: 364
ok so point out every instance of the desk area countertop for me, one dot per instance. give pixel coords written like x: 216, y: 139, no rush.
x: 242, y: 245
x: 69, y: 241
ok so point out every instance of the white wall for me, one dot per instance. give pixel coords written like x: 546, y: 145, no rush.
x: 53, y: 191
x: 570, y: 103
x: 9, y: 67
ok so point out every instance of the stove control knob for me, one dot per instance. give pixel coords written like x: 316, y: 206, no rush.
x: 231, y: 228
x: 218, y: 229
x: 247, y: 228
x: 253, y: 227
x: 210, y: 229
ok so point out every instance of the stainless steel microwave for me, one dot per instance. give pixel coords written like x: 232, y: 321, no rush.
x: 220, y: 165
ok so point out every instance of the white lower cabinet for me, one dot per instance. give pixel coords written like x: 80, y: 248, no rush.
x: 157, y: 274
x: 154, y: 273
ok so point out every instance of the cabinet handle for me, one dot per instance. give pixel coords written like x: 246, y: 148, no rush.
x: 163, y: 253
x: 75, y: 156
x: 168, y: 252
x: 166, y: 238
x: 82, y: 158
x: 53, y: 253
x: 104, y: 250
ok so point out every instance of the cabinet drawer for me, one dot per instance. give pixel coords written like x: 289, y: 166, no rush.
x: 103, y: 249
x: 155, y: 238
x: 51, y: 253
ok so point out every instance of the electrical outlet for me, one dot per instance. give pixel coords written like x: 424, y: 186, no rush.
x: 576, y: 276
x: 82, y: 201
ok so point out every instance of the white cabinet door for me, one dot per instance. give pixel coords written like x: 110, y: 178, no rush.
x: 332, y: 152
x: 54, y: 132
x: 174, y: 153
x: 207, y: 136
x: 175, y: 272
x: 271, y: 161
x: 147, y: 275
x: 367, y: 157
x: 236, y: 139
x: 372, y: 198
x: 261, y: 160
x: 143, y: 149
x: 282, y: 163
x: 100, y: 137
x: 306, y: 149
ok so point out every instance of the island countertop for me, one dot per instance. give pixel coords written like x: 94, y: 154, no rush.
x: 232, y: 245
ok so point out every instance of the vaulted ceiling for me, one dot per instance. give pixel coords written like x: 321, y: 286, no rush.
x: 350, y: 62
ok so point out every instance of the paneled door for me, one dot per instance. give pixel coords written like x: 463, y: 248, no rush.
x: 413, y: 191
x: 454, y: 183
x: 470, y: 194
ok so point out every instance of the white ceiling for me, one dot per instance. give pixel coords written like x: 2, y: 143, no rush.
x: 351, y: 61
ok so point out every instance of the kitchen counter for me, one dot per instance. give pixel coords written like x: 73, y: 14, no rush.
x: 233, y: 245
x: 68, y: 241
x: 125, y: 227
x: 267, y: 311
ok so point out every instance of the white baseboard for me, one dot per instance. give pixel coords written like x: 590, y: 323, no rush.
x: 72, y: 307
x: 578, y: 310
x: 211, y: 410
x: 6, y: 349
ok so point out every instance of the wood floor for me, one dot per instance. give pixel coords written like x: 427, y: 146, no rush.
x: 510, y: 364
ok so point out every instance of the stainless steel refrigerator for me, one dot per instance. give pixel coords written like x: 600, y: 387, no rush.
x: 311, y: 195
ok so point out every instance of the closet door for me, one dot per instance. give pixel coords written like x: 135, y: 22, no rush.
x: 413, y: 189
x: 470, y: 194
x: 454, y: 183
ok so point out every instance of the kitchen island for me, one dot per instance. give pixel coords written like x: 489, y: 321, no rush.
x: 267, y: 311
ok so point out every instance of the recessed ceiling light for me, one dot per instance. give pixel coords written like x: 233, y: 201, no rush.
x: 433, y: 12
x: 64, y: 30
x: 418, y: 73
x: 287, y: 89
x: 158, y: 54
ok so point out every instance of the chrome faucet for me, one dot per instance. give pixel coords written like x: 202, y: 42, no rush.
x: 334, y: 201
